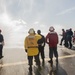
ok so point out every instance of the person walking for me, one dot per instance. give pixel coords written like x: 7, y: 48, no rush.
x: 52, y: 41
x: 1, y: 44
x: 70, y: 35
x: 31, y: 48
x: 63, y: 36
x: 41, y: 47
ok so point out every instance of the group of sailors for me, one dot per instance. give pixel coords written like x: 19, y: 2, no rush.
x: 34, y: 45
x: 68, y: 37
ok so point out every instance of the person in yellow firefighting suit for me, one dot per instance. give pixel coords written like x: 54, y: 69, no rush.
x: 31, y: 47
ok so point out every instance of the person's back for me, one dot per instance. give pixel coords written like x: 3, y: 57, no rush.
x: 70, y: 35
x: 52, y: 41
x: 1, y: 44
x: 31, y: 48
x: 1, y: 38
x: 42, y: 40
x: 41, y: 46
x: 31, y: 45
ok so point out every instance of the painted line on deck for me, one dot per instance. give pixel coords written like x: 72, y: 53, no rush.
x: 25, y: 62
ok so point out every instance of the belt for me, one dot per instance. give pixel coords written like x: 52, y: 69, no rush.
x: 33, y: 47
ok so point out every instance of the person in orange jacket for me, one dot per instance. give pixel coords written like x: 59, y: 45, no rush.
x: 52, y: 41
x: 31, y: 47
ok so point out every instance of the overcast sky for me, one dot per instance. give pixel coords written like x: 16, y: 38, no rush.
x: 20, y: 15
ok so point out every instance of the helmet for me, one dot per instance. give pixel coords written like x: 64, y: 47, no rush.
x: 31, y: 31
x: 51, y: 29
x: 62, y: 29
x: 38, y: 31
x: 70, y: 28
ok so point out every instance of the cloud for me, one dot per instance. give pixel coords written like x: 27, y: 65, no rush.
x: 36, y: 22
x: 66, y: 11
x: 5, y: 19
x: 2, y: 6
x: 25, y: 5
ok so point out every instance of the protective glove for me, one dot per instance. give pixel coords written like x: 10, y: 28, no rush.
x: 26, y: 50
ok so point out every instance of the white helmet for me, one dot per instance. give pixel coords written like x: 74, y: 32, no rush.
x: 51, y: 29
x: 31, y: 31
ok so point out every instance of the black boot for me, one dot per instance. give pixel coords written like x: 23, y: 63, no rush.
x: 57, y: 60
x: 1, y: 57
x: 39, y: 68
x: 30, y: 70
x: 50, y: 61
x: 43, y: 62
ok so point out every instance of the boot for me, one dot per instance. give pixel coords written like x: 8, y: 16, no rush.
x: 50, y: 61
x: 1, y: 57
x: 30, y: 70
x: 57, y: 60
x: 39, y: 68
x: 43, y: 62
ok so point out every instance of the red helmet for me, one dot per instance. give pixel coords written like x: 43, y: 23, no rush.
x: 51, y: 29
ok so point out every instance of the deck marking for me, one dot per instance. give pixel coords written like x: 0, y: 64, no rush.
x: 25, y: 62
